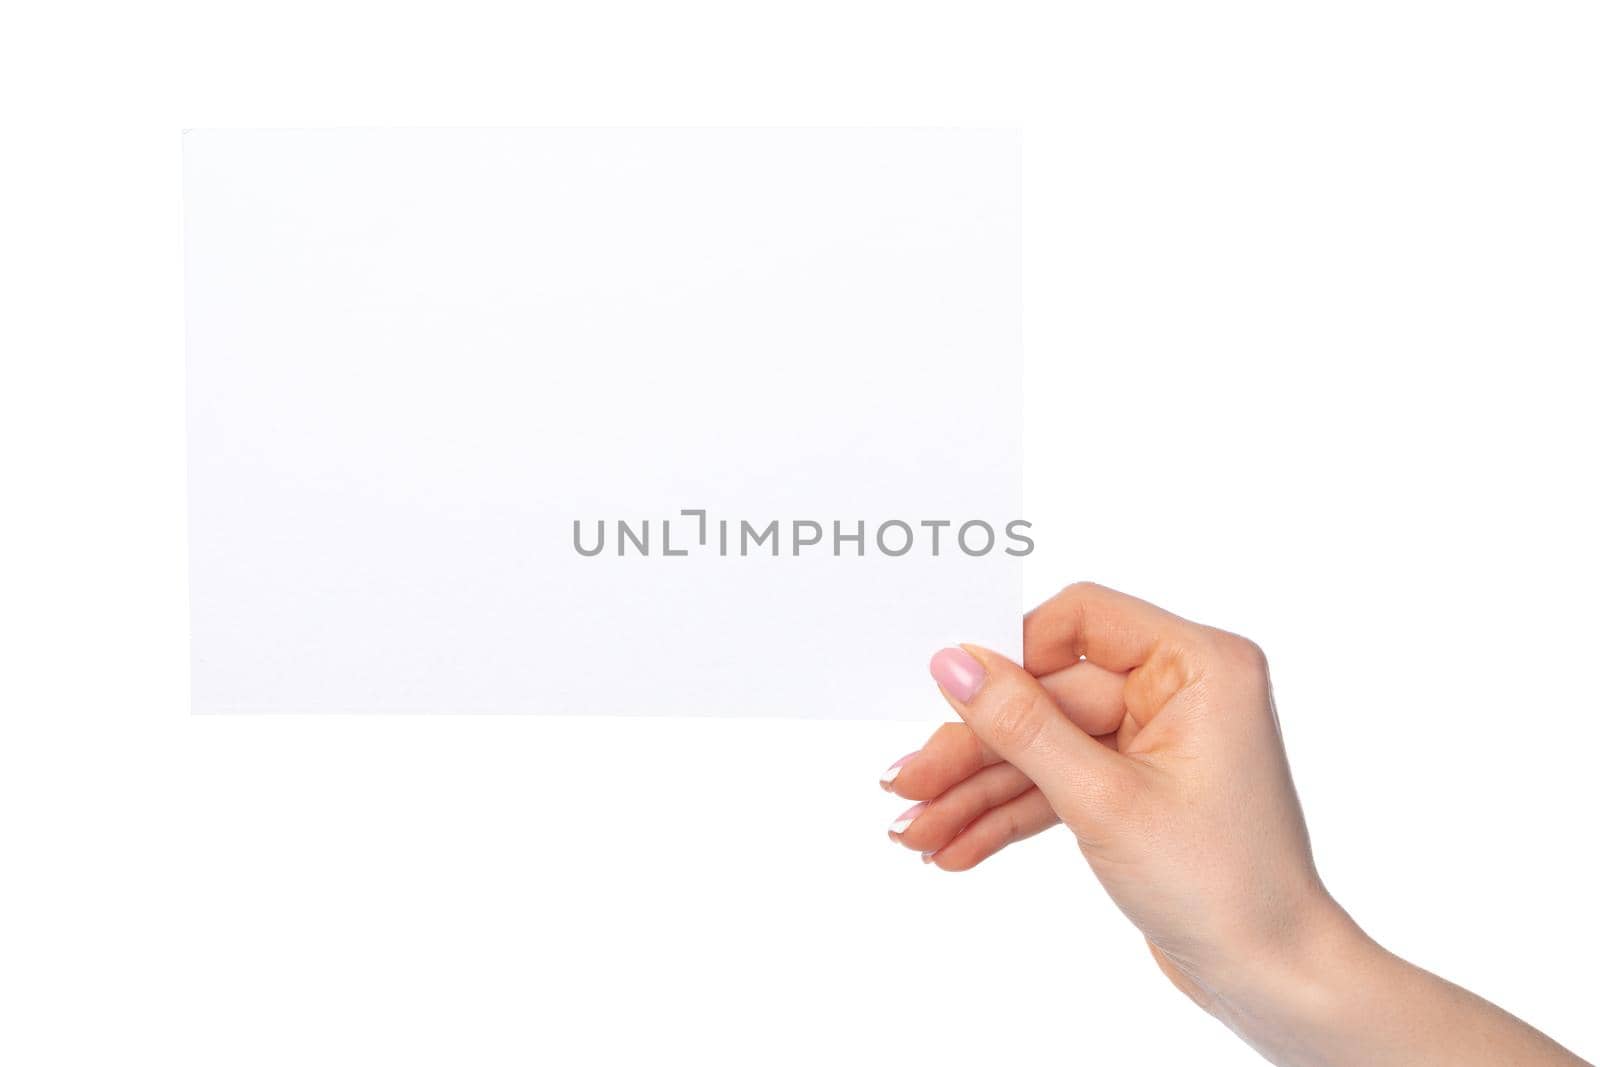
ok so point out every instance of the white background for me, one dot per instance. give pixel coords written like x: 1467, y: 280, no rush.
x: 1310, y: 297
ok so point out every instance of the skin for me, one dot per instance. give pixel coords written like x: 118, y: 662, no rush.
x: 1155, y: 740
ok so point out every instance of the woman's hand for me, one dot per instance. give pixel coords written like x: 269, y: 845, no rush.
x: 1156, y: 742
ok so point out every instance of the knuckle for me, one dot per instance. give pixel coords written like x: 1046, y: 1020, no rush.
x: 1080, y: 591
x: 956, y: 741
x: 1015, y: 722
x: 1240, y: 653
x: 1002, y: 784
x: 1012, y: 828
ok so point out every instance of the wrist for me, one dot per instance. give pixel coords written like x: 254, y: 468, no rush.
x: 1287, y: 999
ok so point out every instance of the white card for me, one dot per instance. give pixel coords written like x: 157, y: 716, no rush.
x: 417, y: 358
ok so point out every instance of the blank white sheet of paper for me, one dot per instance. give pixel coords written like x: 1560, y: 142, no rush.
x: 430, y: 370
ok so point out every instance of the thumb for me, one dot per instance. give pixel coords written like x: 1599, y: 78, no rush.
x: 1021, y: 723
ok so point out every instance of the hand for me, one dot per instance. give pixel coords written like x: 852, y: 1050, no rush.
x: 1156, y: 742
x: 1154, y: 739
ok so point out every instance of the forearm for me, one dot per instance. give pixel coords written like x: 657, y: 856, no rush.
x: 1345, y: 1001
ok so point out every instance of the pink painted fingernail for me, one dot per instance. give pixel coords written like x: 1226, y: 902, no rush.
x: 957, y: 673
x: 887, y: 778
x: 907, y: 817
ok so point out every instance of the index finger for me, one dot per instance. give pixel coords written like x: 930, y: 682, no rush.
x: 951, y: 755
x: 1087, y: 621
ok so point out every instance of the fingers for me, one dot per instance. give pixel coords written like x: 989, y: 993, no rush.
x: 1007, y: 824
x: 1054, y: 724
x: 1090, y: 696
x: 951, y: 754
x: 934, y: 824
x: 1087, y: 621
x: 1018, y: 720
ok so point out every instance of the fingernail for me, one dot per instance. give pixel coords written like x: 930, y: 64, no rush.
x: 907, y: 817
x: 887, y: 778
x: 956, y: 672
x: 927, y: 857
